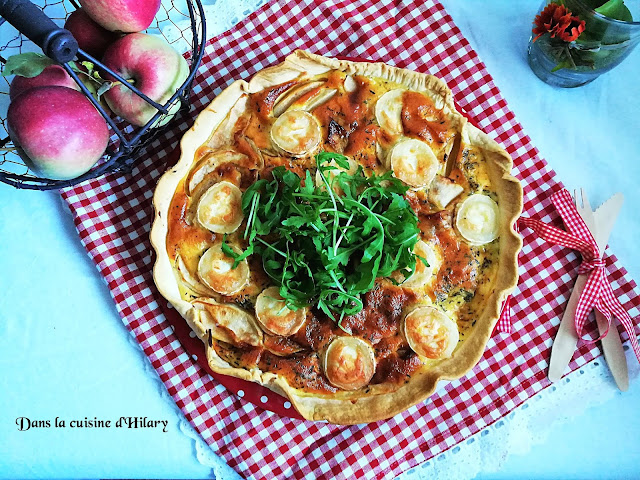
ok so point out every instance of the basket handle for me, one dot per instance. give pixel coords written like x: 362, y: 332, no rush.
x: 56, y: 43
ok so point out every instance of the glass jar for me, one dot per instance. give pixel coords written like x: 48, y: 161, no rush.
x: 598, y: 38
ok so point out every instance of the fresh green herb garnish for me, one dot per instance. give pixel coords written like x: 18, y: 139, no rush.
x: 326, y: 249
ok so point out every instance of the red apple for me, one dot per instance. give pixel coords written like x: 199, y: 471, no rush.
x: 51, y: 75
x: 59, y: 132
x: 91, y: 37
x: 153, y: 66
x: 122, y: 15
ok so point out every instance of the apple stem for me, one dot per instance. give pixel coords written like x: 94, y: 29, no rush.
x: 91, y: 77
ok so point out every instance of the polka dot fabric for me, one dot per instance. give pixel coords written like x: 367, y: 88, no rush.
x: 113, y: 217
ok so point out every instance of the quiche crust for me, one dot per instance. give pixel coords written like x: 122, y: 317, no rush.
x: 214, y: 127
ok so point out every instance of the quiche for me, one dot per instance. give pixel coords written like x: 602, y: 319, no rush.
x: 339, y: 233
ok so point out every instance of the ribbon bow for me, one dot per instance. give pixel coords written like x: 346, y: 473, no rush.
x: 597, y: 292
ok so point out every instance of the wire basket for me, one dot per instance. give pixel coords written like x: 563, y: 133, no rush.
x: 180, y: 22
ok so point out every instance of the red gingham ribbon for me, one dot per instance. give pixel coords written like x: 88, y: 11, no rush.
x: 504, y: 321
x: 597, y: 292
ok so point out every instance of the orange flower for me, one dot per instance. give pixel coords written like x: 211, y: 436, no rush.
x: 553, y: 19
x: 573, y: 30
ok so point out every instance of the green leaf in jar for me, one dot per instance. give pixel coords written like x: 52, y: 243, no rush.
x: 615, y: 9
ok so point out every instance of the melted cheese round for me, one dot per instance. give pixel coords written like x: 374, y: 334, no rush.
x: 349, y: 363
x: 478, y: 219
x: 220, y: 208
x: 423, y: 274
x: 296, y: 132
x: 389, y: 111
x: 275, y: 317
x: 430, y: 333
x: 413, y: 162
x: 216, y: 270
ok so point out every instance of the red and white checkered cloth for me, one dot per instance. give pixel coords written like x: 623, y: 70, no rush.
x: 113, y: 217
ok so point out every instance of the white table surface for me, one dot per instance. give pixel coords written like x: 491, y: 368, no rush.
x: 65, y: 353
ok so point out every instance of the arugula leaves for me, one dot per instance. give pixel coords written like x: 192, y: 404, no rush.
x: 323, y: 248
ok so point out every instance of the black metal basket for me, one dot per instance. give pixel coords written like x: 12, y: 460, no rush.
x: 34, y: 23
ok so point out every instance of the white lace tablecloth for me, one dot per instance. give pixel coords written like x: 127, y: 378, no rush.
x: 573, y: 129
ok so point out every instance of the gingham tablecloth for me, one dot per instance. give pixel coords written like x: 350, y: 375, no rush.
x: 113, y: 217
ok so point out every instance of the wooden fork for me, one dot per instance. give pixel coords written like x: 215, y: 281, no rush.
x: 567, y: 338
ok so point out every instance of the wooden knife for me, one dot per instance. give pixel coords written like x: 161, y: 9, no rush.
x: 605, y: 216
